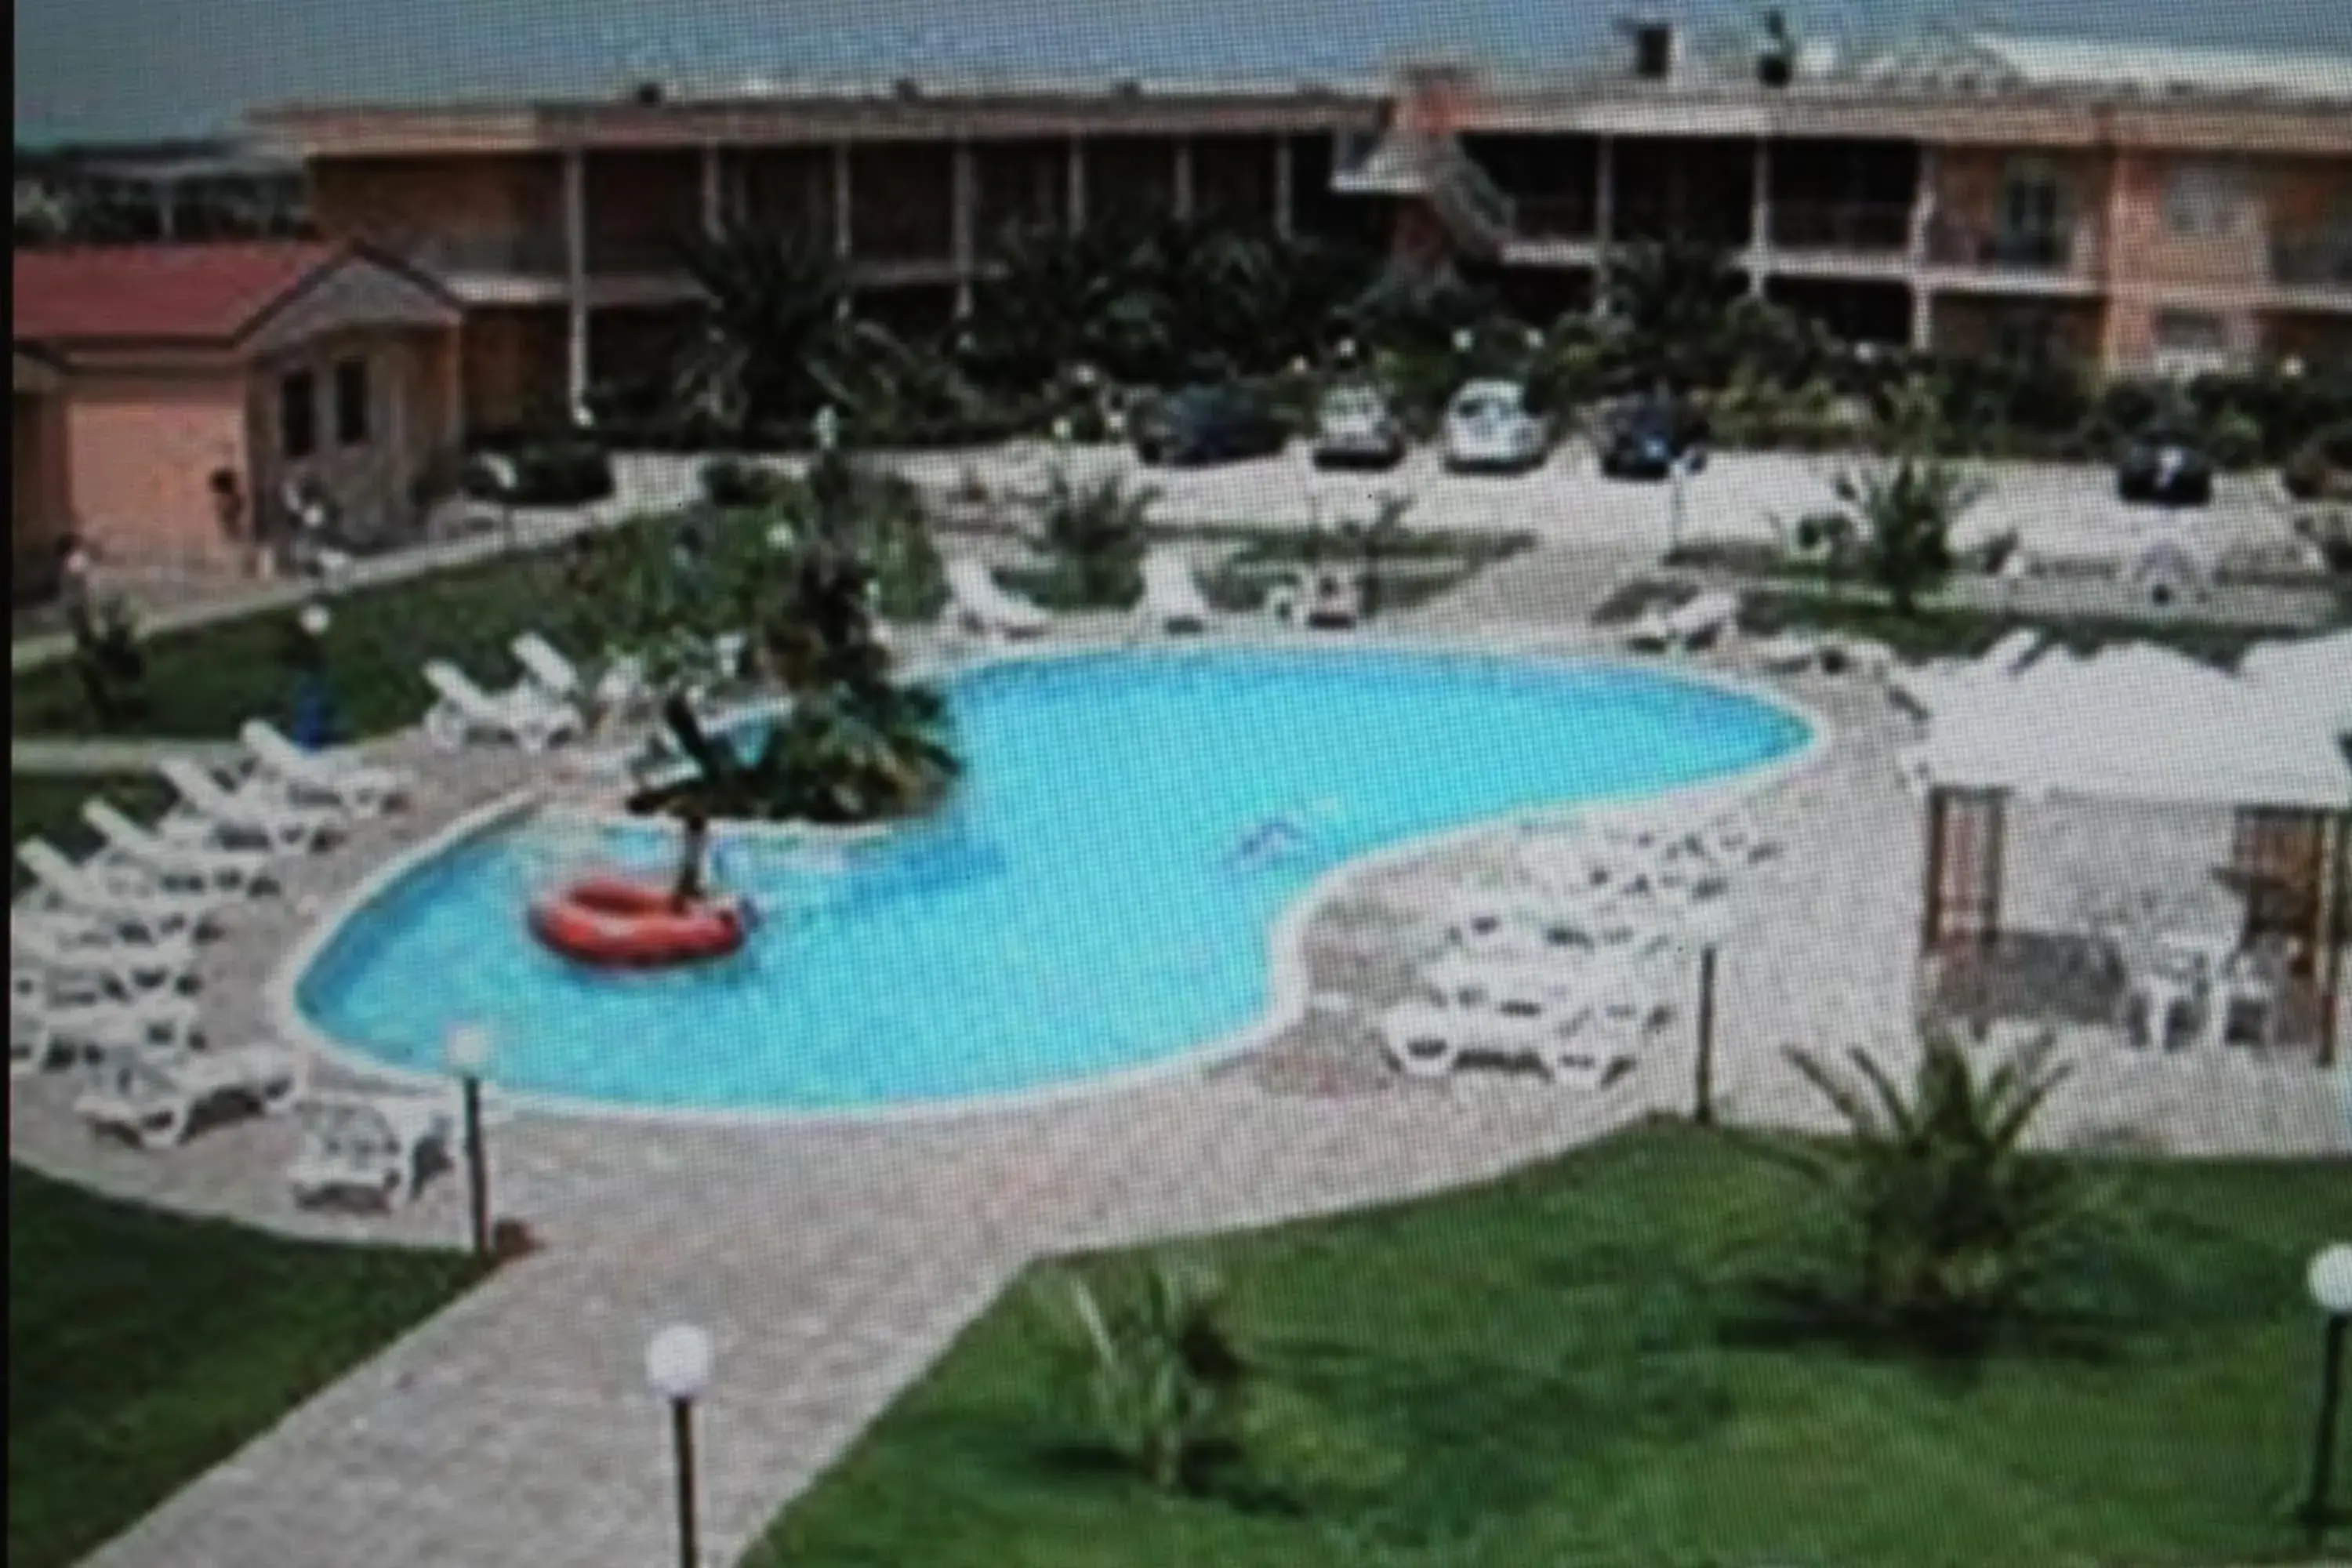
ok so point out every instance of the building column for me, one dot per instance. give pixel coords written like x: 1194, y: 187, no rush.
x: 1078, y: 184
x: 1759, y: 218
x: 1286, y: 195
x: 1183, y: 179
x: 963, y: 236
x: 575, y: 277
x: 1923, y: 210
x: 714, y: 193
x: 1923, y: 315
x: 1916, y: 243
x: 841, y: 248
x: 1604, y: 218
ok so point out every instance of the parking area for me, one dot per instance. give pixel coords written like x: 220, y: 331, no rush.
x: 2059, y: 512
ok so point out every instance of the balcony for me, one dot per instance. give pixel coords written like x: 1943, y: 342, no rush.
x: 2323, y: 263
x: 1863, y: 226
x: 1551, y: 217
x: 2066, y: 255
x: 636, y: 256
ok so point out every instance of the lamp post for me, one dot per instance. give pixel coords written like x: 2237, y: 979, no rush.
x: 677, y: 1368
x: 468, y: 1053
x: 2331, y: 1287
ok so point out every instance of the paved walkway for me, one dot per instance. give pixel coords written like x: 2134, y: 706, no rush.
x: 68, y: 757
x: 834, y: 1260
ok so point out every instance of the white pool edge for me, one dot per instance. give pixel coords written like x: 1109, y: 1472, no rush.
x: 1290, y: 979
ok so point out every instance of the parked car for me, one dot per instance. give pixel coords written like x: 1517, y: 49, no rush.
x: 2164, y: 463
x: 1356, y: 427
x: 1208, y: 425
x: 1645, y: 438
x: 1487, y: 425
x: 2321, y: 469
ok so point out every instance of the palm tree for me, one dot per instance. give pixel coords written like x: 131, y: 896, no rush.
x: 1374, y: 538
x: 1956, y: 1220
x: 774, y: 302
x: 1901, y: 512
x: 1672, y: 305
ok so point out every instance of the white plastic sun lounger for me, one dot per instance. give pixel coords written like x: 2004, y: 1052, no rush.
x: 137, y: 915
x: 180, y: 865
x: 462, y: 710
x: 1585, y: 1050
x: 545, y: 667
x: 337, y: 777
x: 1695, y: 624
x: 983, y: 606
x: 1173, y: 599
x: 370, y: 1147
x: 211, y: 812
x: 42, y: 1032
x: 72, y: 956
x: 154, y: 1099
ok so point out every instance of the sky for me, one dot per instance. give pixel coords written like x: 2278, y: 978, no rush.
x: 125, y: 69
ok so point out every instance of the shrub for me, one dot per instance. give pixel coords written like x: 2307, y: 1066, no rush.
x: 568, y: 472
x: 2237, y: 439
x: 730, y: 482
x: 1161, y: 1377
x: 1955, y: 1221
x: 1096, y: 534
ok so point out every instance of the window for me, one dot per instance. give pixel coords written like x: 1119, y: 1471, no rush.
x: 297, y: 415
x: 351, y: 403
x: 2196, y: 331
x: 2202, y: 201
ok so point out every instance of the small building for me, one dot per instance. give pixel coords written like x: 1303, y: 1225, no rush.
x: 167, y: 396
x: 36, y: 485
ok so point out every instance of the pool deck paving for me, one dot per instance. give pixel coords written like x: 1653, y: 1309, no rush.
x: 833, y: 1259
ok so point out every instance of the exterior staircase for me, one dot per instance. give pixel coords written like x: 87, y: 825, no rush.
x: 1433, y: 168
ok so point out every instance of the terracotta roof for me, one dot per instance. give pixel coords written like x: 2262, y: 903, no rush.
x: 187, y: 293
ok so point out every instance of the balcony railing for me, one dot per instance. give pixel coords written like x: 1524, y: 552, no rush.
x: 541, y: 254
x: 2066, y: 249
x: 1841, y: 226
x: 535, y: 255
x: 2324, y: 263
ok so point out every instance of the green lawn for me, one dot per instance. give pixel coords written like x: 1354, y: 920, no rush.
x: 143, y: 1349
x: 205, y: 682
x: 1580, y: 1366
x: 1939, y: 631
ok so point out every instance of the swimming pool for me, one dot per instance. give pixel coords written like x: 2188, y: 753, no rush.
x: 1097, y: 897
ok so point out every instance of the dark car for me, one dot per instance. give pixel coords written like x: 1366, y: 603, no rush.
x: 2165, y: 464
x: 1208, y: 425
x: 1644, y: 439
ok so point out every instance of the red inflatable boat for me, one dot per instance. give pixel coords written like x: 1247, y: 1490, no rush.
x: 614, y: 923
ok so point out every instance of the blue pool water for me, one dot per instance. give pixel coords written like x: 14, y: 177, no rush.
x: 1097, y: 896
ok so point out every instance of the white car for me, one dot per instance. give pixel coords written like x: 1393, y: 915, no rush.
x: 1487, y: 425
x: 1356, y: 427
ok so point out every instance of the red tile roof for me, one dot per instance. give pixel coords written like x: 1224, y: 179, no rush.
x: 189, y: 293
